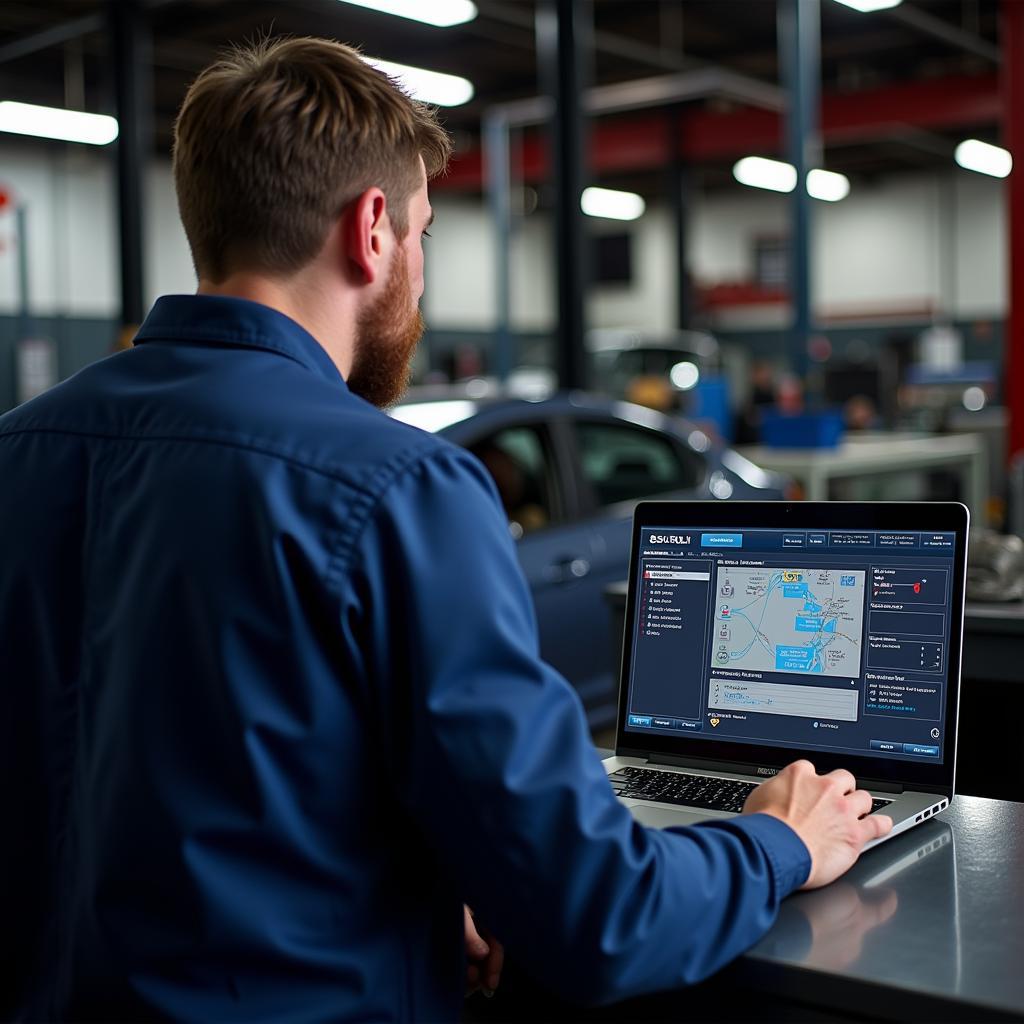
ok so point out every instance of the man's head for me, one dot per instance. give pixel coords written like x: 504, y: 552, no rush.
x: 298, y: 151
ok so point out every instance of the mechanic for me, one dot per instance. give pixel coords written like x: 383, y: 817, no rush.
x: 272, y: 706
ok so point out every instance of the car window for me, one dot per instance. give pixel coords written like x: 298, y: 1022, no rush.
x: 624, y: 463
x: 520, y: 462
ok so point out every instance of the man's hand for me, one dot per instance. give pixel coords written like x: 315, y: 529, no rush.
x: 826, y: 811
x: 485, y: 956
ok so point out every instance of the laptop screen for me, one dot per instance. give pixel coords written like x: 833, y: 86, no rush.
x: 835, y: 640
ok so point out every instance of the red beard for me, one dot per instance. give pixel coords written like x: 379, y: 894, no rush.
x: 386, y: 338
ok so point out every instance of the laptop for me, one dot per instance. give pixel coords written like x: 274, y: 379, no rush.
x: 758, y: 633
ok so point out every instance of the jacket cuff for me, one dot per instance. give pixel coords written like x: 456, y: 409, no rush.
x: 786, y: 851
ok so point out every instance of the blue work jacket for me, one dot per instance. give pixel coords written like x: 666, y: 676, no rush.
x: 272, y: 709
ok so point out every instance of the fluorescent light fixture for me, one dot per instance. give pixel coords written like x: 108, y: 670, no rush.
x: 867, y: 6
x: 759, y: 172
x: 974, y: 155
x: 828, y: 185
x: 428, y: 86
x: 609, y: 203
x: 778, y: 176
x: 442, y: 13
x: 54, y: 123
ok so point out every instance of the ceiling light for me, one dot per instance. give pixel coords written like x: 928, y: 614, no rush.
x: 612, y: 204
x: 442, y: 13
x: 684, y: 375
x: 867, y: 6
x: 827, y: 185
x: 974, y: 155
x: 974, y: 399
x: 55, y: 123
x: 428, y: 86
x: 778, y: 176
x: 759, y: 172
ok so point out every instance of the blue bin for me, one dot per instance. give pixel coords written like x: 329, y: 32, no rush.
x: 803, y: 430
x: 709, y: 402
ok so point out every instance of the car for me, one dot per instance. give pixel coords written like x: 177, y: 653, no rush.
x: 569, y: 469
x: 620, y: 358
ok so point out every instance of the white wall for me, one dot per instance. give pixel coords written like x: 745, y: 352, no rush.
x: 460, y: 266
x: 879, y: 248
x: 168, y: 260
x: 899, y: 246
x: 902, y: 243
x: 981, y: 242
x: 72, y: 231
x: 907, y: 242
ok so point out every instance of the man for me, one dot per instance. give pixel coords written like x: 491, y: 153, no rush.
x: 272, y: 708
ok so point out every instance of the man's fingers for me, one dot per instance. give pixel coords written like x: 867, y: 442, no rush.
x: 476, y: 947
x: 844, y: 779
x: 492, y: 968
x: 860, y: 801
x: 874, y: 826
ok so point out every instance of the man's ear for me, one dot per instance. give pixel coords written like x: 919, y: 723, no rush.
x: 365, y: 232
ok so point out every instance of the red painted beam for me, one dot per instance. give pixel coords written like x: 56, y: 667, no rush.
x: 1012, y: 34
x: 638, y: 142
x: 939, y: 103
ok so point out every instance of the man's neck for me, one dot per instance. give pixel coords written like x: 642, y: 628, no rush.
x: 312, y: 307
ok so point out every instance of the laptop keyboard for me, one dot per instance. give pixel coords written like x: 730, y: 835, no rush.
x: 708, y: 792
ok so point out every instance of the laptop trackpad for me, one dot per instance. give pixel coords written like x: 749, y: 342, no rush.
x: 660, y: 817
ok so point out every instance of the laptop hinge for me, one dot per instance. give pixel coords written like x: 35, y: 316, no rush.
x: 880, y: 786
x: 753, y: 769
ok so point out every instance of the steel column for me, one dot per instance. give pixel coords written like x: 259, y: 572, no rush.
x: 131, y: 45
x: 563, y: 49
x: 1012, y: 33
x: 496, y: 132
x: 799, y: 33
x: 25, y: 326
x: 679, y: 186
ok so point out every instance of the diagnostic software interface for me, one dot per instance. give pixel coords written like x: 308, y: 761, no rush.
x: 830, y: 639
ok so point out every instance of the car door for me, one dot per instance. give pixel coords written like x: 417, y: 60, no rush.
x: 537, y: 490
x: 620, y: 463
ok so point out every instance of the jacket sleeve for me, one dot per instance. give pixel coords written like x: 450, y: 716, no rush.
x: 496, y: 766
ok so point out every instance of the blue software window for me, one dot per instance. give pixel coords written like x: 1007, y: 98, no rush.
x: 830, y: 639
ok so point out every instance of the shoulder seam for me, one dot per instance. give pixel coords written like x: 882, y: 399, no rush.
x: 327, y: 470
x: 370, y: 500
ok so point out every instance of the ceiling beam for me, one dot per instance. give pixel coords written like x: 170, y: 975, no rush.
x: 60, y: 34
x: 659, y: 91
x: 609, y: 43
x: 50, y: 37
x: 938, y: 28
x: 621, y: 146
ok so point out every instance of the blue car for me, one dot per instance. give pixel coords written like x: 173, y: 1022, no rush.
x: 570, y: 470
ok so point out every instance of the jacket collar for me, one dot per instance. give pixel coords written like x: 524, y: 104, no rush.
x: 221, y: 320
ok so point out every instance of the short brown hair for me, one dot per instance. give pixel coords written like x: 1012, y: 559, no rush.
x: 277, y: 137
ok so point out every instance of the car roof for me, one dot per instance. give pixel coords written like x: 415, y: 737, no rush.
x: 438, y: 407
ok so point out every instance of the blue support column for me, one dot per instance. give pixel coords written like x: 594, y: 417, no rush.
x: 799, y: 37
x: 25, y: 328
x: 679, y: 191
x: 496, y: 132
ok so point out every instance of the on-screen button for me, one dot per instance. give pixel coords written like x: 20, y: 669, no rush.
x: 895, y: 748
